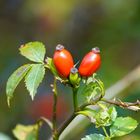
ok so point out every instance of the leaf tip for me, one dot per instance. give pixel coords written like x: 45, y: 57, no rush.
x: 32, y: 97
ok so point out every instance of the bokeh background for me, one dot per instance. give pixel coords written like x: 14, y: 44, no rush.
x: 112, y: 25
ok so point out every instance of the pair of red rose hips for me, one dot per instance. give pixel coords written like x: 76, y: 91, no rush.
x: 63, y: 62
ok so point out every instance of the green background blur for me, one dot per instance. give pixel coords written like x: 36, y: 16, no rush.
x: 112, y: 25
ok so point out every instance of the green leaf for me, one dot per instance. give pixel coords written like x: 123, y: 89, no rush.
x: 94, y: 137
x: 101, y: 86
x: 87, y: 92
x: 90, y: 89
x: 29, y: 132
x: 102, y: 117
x: 113, y: 113
x: 34, y: 78
x: 34, y: 51
x: 123, y: 126
x: 105, y: 116
x: 14, y: 80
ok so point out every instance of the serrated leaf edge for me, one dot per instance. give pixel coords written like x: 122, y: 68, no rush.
x: 39, y: 60
x: 32, y: 93
x: 25, y: 73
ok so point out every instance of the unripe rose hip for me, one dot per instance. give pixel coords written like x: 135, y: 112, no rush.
x: 73, y: 77
x: 90, y: 63
x: 63, y: 61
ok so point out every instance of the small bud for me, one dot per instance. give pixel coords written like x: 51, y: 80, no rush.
x: 74, y: 78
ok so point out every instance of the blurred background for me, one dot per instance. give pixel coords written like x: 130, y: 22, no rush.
x: 79, y: 25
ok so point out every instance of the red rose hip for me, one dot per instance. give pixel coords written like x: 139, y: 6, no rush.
x: 63, y: 61
x: 90, y: 63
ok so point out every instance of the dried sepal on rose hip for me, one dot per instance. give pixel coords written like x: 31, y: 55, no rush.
x: 90, y: 63
x: 63, y: 61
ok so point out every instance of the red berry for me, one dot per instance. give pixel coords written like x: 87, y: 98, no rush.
x: 90, y: 63
x: 63, y: 61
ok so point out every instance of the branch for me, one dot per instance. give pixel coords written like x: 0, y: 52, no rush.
x: 54, y: 107
x: 111, y: 92
x: 127, y: 105
x: 66, y: 123
x: 74, y: 114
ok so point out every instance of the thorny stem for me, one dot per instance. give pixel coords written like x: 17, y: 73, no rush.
x: 54, y: 121
x: 132, y: 106
x: 133, y: 77
x: 74, y: 114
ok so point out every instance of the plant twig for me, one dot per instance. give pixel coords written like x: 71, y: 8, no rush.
x: 66, y: 123
x: 75, y: 104
x: 118, y: 87
x: 54, y: 108
x: 74, y: 114
x: 131, y: 106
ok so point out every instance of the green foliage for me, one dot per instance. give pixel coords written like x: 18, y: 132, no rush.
x: 90, y: 89
x: 105, y: 117
x: 34, y: 51
x: 113, y: 113
x: 87, y: 92
x: 34, y: 78
x: 29, y: 132
x: 14, y: 80
x: 118, y: 126
x: 123, y: 126
x: 102, y: 117
x: 94, y: 137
